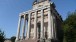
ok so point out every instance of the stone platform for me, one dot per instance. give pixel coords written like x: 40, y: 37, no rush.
x: 28, y: 40
x: 38, y: 40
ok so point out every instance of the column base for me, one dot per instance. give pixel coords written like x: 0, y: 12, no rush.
x: 42, y: 40
x: 48, y: 40
x: 17, y: 40
x: 55, y: 40
x: 52, y: 40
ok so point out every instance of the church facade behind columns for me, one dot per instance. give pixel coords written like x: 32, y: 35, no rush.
x: 40, y: 24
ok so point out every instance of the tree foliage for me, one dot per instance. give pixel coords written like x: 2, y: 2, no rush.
x: 13, y: 38
x: 69, y: 26
x: 2, y: 36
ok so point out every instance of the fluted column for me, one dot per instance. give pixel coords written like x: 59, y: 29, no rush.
x: 18, y: 30
x: 49, y: 24
x: 23, y: 29
x: 42, y: 24
x: 29, y: 23
x: 35, y: 26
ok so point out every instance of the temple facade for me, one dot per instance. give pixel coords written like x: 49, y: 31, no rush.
x: 43, y: 23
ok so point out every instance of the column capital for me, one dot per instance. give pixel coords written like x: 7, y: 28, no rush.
x: 25, y: 16
x: 49, y: 9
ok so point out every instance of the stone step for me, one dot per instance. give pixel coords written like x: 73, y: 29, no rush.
x: 37, y: 40
x: 30, y: 40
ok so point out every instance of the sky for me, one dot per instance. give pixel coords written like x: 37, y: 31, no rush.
x: 10, y: 9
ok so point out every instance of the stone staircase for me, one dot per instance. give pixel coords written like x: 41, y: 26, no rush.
x: 37, y: 40
x: 30, y: 40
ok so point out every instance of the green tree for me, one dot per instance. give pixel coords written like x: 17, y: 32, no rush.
x: 69, y: 26
x: 2, y: 36
x: 13, y: 38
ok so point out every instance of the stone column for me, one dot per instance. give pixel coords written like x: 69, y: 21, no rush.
x: 18, y: 30
x: 55, y: 28
x: 29, y: 24
x: 23, y: 29
x: 26, y: 30
x: 44, y: 31
x: 42, y: 24
x: 52, y: 22
x: 49, y: 24
x: 35, y: 26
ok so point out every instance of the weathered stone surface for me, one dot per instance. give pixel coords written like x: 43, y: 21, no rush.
x: 44, y: 23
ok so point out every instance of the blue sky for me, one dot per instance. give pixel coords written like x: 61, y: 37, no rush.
x: 10, y: 9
